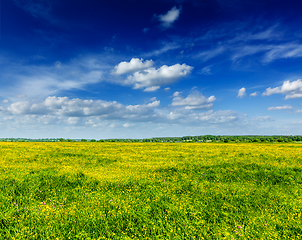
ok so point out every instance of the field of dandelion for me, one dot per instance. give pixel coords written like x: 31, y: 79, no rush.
x: 74, y: 190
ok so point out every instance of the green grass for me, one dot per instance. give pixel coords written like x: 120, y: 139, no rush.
x: 150, y: 191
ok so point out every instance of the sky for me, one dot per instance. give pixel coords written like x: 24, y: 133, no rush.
x: 150, y: 68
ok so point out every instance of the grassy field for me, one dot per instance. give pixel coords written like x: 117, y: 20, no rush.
x: 150, y: 191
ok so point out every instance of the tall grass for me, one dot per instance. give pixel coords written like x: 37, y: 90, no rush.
x: 150, y: 191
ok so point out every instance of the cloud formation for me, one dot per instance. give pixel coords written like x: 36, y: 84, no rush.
x: 193, y: 101
x: 280, y: 108
x: 44, y: 80
x: 254, y: 94
x: 63, y: 106
x: 289, y: 89
x: 268, y: 44
x: 81, y: 112
x: 241, y: 92
x: 152, y: 79
x: 149, y: 78
x: 134, y: 65
x: 170, y: 17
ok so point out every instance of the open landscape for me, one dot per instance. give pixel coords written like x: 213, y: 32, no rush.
x: 150, y: 119
x: 110, y: 190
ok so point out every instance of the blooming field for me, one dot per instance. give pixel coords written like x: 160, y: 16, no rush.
x: 150, y: 191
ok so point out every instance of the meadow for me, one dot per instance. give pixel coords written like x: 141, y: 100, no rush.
x: 94, y: 190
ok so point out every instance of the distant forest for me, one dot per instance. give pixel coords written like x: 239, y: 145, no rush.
x: 203, y: 138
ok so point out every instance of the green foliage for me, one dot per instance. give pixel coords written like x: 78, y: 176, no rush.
x: 204, y: 138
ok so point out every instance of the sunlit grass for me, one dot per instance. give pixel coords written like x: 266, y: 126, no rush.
x: 150, y: 191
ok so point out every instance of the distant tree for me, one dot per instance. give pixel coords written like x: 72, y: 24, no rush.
x: 92, y: 140
x: 83, y: 140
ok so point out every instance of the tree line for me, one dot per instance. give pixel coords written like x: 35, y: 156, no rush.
x: 202, y: 138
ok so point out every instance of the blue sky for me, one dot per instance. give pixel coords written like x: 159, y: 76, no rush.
x: 140, y: 69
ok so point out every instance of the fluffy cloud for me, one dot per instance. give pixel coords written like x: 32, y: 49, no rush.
x: 151, y: 89
x: 193, y: 101
x: 63, y: 106
x: 254, y: 94
x: 290, y: 89
x: 19, y: 108
x: 241, y: 92
x: 152, y: 79
x: 94, y: 113
x: 170, y: 17
x: 134, y: 65
x: 280, y: 108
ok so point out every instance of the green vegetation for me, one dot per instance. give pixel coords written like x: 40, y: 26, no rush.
x: 92, y: 190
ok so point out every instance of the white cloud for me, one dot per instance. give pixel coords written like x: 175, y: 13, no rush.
x: 170, y: 17
x: 271, y: 52
x: 55, y: 102
x: 40, y: 80
x: 267, y: 34
x: 290, y: 89
x: 263, y: 119
x: 241, y: 92
x: 254, y: 94
x: 152, y: 78
x: 167, y: 89
x: 212, y: 117
x: 73, y: 120
x: 271, y: 47
x: 289, y: 50
x: 280, y: 108
x: 126, y: 125
x: 63, y: 106
x: 134, y: 65
x: 176, y: 94
x: 151, y: 89
x: 153, y: 104
x: 19, y: 108
x: 298, y: 111
x: 193, y: 101
x: 5, y: 101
